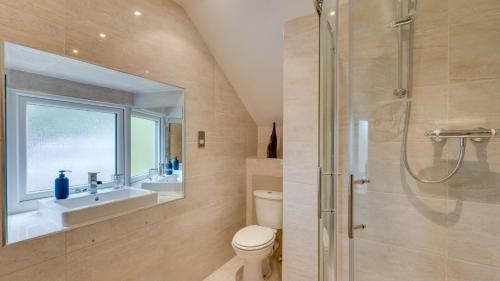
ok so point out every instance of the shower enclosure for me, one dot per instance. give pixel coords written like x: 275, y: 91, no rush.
x: 422, y: 153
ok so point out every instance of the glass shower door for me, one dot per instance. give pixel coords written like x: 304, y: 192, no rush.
x: 328, y: 141
x: 379, y: 207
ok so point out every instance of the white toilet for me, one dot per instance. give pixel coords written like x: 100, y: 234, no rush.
x: 255, y: 243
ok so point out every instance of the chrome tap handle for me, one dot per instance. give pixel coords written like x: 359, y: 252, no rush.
x: 162, y: 167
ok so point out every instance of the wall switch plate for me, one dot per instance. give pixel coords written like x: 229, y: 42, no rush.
x: 201, y: 139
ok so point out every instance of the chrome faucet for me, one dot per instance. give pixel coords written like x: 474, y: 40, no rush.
x: 162, y: 169
x: 93, y: 182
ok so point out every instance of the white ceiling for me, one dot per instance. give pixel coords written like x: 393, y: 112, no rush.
x: 35, y: 61
x: 246, y: 39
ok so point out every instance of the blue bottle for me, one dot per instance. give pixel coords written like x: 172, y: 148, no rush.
x: 176, y: 163
x: 169, y: 168
x: 62, y: 185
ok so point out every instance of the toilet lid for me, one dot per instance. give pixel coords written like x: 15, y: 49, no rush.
x: 253, y: 236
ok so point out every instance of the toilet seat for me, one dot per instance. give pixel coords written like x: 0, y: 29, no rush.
x: 253, y: 238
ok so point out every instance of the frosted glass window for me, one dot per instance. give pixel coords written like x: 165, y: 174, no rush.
x: 143, y: 141
x: 67, y: 138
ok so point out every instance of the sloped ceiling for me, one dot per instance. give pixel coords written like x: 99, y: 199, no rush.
x: 246, y: 39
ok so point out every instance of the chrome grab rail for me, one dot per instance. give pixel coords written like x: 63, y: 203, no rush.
x: 350, y: 216
x: 477, y: 134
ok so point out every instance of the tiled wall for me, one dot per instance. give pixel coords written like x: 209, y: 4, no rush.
x: 182, y: 240
x: 421, y: 231
x: 300, y: 158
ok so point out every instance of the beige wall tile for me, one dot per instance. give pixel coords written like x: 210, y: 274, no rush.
x: 51, y: 270
x: 111, y: 229
x: 390, y: 217
x: 300, y: 233
x: 474, y: 103
x: 377, y: 261
x: 142, y: 248
x: 474, y: 40
x: 463, y: 271
x: 34, y: 24
x: 473, y: 231
x: 431, y: 24
x: 300, y: 157
x: 25, y: 254
x: 430, y: 66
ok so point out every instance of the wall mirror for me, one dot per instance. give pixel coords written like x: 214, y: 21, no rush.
x: 119, y: 137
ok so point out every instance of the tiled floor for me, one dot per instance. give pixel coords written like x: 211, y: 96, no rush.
x: 233, y: 271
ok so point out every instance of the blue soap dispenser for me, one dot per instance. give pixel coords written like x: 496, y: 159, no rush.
x: 62, y: 185
x: 176, y: 163
x: 169, y: 167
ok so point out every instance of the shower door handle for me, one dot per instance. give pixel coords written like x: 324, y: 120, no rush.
x: 351, y: 226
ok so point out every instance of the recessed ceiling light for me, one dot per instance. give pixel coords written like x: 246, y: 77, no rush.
x: 137, y: 13
x: 75, y: 51
x: 332, y: 13
x: 102, y: 35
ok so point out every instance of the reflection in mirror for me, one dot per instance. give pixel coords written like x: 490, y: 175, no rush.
x: 67, y: 120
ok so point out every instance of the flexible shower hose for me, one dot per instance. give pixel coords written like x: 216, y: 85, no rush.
x: 404, y: 151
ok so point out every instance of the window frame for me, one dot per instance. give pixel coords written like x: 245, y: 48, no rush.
x: 19, y: 199
x: 159, y: 151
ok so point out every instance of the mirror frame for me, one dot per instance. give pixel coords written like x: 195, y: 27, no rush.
x: 3, y: 189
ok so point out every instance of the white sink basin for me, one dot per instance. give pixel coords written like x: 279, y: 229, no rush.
x: 84, y: 207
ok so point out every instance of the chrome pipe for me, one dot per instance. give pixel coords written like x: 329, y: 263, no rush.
x: 404, y: 152
x: 466, y: 133
x: 350, y: 210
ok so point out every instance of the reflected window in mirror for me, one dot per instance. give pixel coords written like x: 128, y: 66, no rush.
x: 145, y: 144
x: 65, y: 114
x: 174, y: 145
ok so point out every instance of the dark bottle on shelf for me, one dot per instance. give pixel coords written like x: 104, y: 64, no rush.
x: 272, y: 148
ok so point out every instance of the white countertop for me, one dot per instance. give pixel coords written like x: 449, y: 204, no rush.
x: 32, y: 224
